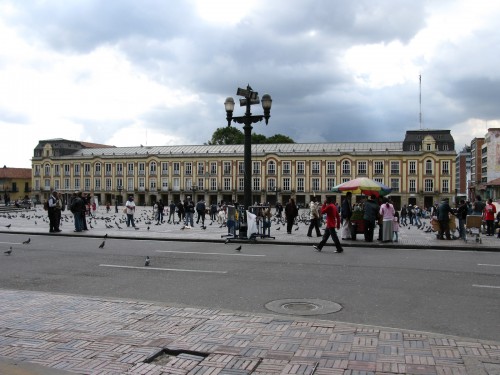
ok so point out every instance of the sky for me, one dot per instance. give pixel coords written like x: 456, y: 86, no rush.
x: 157, y: 72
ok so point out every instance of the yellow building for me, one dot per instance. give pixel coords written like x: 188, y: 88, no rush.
x: 420, y: 170
x: 15, y: 183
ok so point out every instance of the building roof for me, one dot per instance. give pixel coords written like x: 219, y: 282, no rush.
x: 15, y: 172
x: 495, y: 182
x: 279, y: 148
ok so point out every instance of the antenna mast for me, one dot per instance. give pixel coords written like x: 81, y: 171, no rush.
x: 420, y: 99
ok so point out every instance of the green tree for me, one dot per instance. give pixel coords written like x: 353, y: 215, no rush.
x: 228, y: 135
x: 279, y: 138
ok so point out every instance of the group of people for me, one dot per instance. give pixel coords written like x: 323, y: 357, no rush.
x: 78, y: 204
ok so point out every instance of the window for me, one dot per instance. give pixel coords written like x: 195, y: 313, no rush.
x: 130, y: 184
x: 412, y: 147
x: 86, y: 169
x: 152, y: 167
x: 378, y: 167
x: 380, y: 180
x: 201, y: 183
x: 142, y: 184
x: 394, y: 167
x: 177, y: 168
x: 66, y: 184
x: 87, y: 184
x: 256, y: 167
x: 286, y: 184
x: 108, y: 184
x: 119, y: 169
x: 226, y: 167
x: 241, y: 167
x: 201, y: 168
x: 412, y: 186
x: 362, y: 167
x: 345, y: 179
x: 188, y: 184
x: 445, y: 167
x: 256, y: 183
x: 76, y: 169
x: 152, y: 184
x: 271, y: 184
x: 428, y: 167
x: 47, y: 184
x: 330, y: 183
x: 315, y: 184
x: 395, y: 185
x: 428, y: 185
x: 445, y: 187
x: 271, y: 167
x: 56, y: 185
x: 301, y: 167
x: 330, y: 167
x: 176, y: 184
x: 107, y: 169
x: 142, y: 169
x: 300, y: 184
x: 188, y: 169
x: 97, y: 169
x: 346, y: 167
x: 57, y: 170
x: 130, y: 169
x: 213, y: 184
x: 164, y: 169
x: 213, y: 169
x: 37, y: 170
x: 241, y: 183
x: 226, y: 183
x: 428, y: 146
x: 37, y: 184
x: 412, y: 167
x: 119, y: 183
x: 164, y: 184
x: 287, y: 166
x: 66, y: 169
x: 315, y: 167
x: 77, y: 184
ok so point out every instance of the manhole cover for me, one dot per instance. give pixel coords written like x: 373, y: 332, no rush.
x: 303, y: 306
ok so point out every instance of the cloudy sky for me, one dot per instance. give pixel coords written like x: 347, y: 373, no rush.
x: 156, y: 72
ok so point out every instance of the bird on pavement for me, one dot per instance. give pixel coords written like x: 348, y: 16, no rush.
x: 106, y: 235
x: 226, y: 242
x: 238, y: 248
x: 297, y: 228
x: 8, y: 226
x: 8, y: 252
x: 147, y: 262
x: 148, y: 228
x: 27, y: 241
x: 102, y: 245
x: 278, y: 228
x: 119, y: 227
x: 136, y: 228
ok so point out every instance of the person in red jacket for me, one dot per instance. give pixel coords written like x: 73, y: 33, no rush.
x: 332, y: 222
x: 489, y: 216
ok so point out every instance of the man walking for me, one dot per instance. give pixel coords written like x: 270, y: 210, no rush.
x: 332, y: 222
x: 443, y: 212
x: 370, y: 216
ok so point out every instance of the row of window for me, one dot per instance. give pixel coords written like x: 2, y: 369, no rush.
x: 271, y: 168
x: 128, y: 184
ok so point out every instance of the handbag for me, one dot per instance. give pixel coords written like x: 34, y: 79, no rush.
x: 124, y: 210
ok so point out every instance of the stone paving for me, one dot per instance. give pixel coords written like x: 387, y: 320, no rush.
x: 85, y: 335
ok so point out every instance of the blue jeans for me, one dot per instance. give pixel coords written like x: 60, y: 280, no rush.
x: 461, y: 228
x: 189, y: 218
x: 78, y: 221
x: 130, y: 220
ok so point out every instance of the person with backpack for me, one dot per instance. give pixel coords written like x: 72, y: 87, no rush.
x: 291, y: 212
x: 200, y: 211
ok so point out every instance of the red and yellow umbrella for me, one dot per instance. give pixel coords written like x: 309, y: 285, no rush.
x: 363, y: 185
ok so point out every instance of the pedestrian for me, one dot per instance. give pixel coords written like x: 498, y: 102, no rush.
x: 395, y: 227
x: 443, y: 215
x: 291, y: 212
x: 279, y: 210
x: 171, y: 212
x: 478, y: 206
x: 314, y: 218
x: 86, y: 207
x: 346, y: 213
x: 370, y: 215
x: 180, y: 211
x: 332, y: 222
x: 416, y: 218
x: 77, y: 206
x: 54, y: 213
x: 130, y: 207
x: 489, y: 216
x: 404, y: 214
x: 387, y: 213
x: 116, y: 205
x: 200, y: 210
x: 462, y: 217
x: 189, y: 212
x: 161, y: 209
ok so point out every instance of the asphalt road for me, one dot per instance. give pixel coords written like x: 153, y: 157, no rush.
x: 448, y: 292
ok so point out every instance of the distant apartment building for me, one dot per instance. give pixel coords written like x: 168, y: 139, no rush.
x: 491, y: 164
x: 15, y: 183
x: 475, y: 167
x: 462, y: 168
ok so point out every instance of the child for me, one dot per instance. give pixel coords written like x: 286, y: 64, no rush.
x: 395, y: 226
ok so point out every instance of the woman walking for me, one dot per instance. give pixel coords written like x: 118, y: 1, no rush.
x: 387, y: 213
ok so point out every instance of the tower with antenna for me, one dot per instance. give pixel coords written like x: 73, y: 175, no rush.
x: 420, y: 100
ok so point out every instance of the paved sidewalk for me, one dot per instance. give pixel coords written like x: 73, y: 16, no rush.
x: 44, y: 333
x: 35, y: 222
x: 106, y: 336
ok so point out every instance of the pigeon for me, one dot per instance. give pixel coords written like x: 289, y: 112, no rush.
x: 102, y: 245
x: 136, y: 228
x: 226, y: 242
x: 238, y: 248
x: 106, y: 235
x: 278, y: 228
x: 8, y: 252
x: 119, y: 227
x: 27, y: 241
x: 297, y: 228
x: 8, y: 226
x: 146, y: 263
x: 148, y: 228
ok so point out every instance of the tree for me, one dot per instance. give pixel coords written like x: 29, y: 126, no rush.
x: 231, y: 135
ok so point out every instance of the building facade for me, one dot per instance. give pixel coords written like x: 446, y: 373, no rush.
x: 462, y: 167
x: 420, y: 169
x: 15, y: 183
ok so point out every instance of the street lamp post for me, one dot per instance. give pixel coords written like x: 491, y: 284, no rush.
x: 119, y: 188
x: 250, y: 97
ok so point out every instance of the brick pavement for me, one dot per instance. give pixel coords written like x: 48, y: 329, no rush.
x: 88, y: 335
x: 62, y: 333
